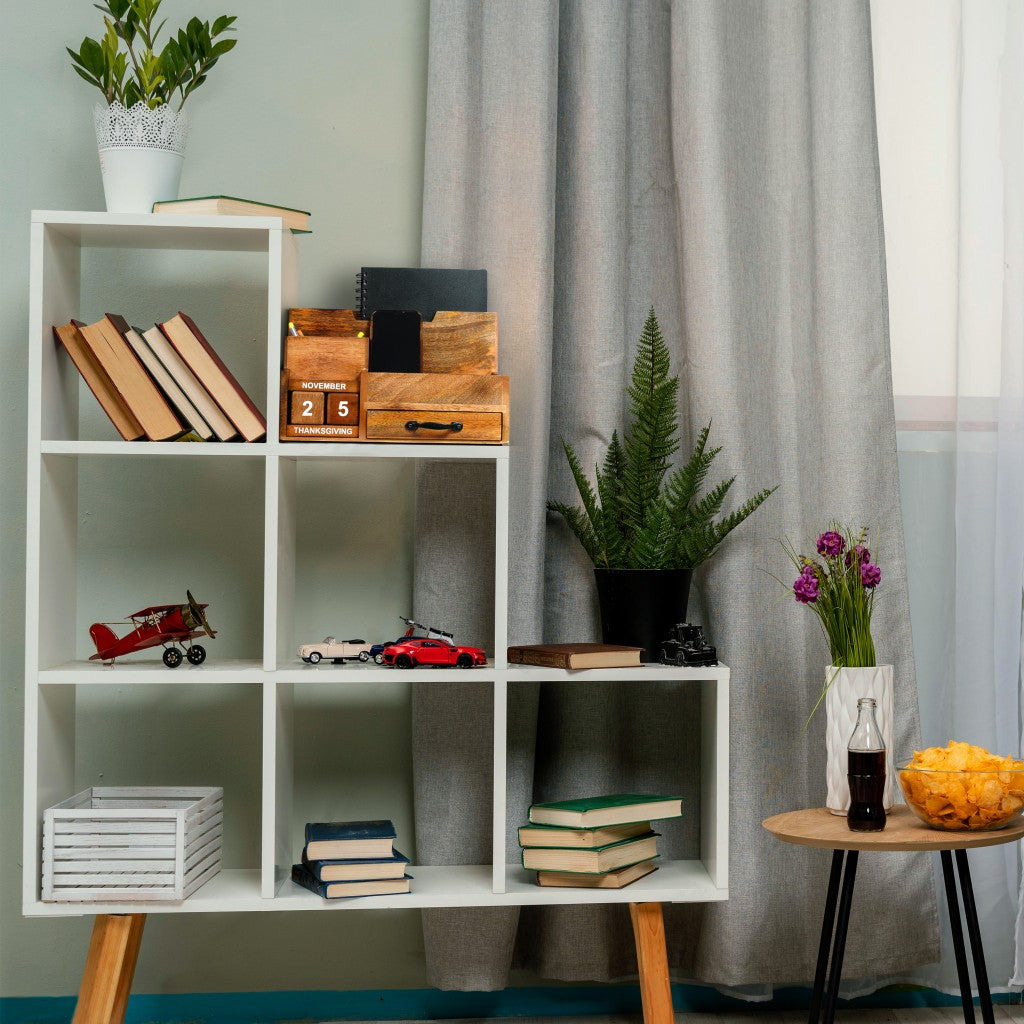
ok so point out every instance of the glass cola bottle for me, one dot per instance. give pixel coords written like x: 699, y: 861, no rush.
x: 866, y: 771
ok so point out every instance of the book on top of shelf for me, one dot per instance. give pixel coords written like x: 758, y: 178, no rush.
x: 130, y: 378
x: 221, y: 426
x: 575, y: 655
x: 232, y: 206
x: 214, y: 375
x: 349, y: 840
x: 356, y: 869
x: 619, y: 878
x: 600, y: 859
x: 97, y: 380
x: 614, y: 809
x: 338, y: 890
x: 580, y: 838
x: 186, y: 410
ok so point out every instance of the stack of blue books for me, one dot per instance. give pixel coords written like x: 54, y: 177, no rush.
x: 351, y: 858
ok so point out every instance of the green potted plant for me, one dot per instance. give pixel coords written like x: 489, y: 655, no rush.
x: 645, y: 525
x: 141, y: 128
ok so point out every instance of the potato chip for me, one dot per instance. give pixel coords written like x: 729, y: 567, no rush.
x: 961, y: 786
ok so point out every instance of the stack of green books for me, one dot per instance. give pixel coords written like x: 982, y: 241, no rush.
x: 599, y: 842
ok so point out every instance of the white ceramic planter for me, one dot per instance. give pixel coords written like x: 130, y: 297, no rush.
x: 848, y: 685
x: 141, y: 155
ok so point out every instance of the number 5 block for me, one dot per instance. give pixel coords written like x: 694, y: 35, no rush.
x: 342, y: 407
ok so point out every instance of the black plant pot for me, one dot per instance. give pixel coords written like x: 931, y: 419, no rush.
x: 639, y: 606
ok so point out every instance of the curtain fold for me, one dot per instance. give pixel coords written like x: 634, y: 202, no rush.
x: 716, y: 161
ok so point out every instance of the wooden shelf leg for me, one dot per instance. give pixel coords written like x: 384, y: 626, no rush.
x: 109, y: 969
x: 652, y: 961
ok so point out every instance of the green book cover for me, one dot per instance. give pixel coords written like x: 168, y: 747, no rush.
x: 611, y: 809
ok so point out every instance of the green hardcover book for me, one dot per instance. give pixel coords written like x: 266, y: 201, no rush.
x: 614, y: 809
x: 596, y: 861
x: 232, y: 206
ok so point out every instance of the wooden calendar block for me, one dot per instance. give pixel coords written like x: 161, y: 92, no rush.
x: 342, y: 407
x: 307, y: 407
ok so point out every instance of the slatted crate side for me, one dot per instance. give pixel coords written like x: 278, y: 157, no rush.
x: 72, y: 842
x: 119, y: 843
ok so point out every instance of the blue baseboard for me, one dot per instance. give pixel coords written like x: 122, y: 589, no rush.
x: 431, y: 1004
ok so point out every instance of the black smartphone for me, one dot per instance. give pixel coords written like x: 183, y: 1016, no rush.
x: 395, y: 341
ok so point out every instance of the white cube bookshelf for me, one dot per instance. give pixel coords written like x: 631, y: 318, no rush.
x: 59, y: 460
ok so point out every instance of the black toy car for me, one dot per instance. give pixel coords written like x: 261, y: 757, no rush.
x: 686, y: 646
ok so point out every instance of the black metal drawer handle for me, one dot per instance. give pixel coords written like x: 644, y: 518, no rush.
x: 415, y: 425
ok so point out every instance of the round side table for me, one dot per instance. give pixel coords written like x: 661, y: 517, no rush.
x: 903, y: 833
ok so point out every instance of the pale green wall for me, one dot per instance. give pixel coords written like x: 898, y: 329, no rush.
x: 320, y: 106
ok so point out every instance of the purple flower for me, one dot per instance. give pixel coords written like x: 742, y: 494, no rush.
x: 861, y: 552
x: 870, y: 575
x: 831, y: 544
x: 805, y: 587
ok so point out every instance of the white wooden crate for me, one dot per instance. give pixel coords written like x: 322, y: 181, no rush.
x: 130, y: 843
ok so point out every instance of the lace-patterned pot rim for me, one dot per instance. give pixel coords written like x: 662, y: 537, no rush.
x: 139, y: 127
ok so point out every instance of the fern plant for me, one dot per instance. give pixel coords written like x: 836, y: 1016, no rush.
x: 640, y: 513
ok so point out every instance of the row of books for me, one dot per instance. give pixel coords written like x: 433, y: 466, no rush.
x: 351, y: 858
x: 162, y: 384
x: 602, y: 842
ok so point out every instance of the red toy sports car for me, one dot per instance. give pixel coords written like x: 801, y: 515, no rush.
x: 426, y: 651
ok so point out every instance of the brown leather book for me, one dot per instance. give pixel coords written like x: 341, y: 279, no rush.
x: 130, y: 379
x: 70, y: 336
x: 212, y: 373
x: 575, y: 655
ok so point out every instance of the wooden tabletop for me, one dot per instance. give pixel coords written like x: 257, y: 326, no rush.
x: 903, y: 832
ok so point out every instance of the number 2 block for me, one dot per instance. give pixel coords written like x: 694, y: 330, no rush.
x: 307, y: 407
x: 342, y: 407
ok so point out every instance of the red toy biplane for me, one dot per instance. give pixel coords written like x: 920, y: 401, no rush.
x: 159, y: 625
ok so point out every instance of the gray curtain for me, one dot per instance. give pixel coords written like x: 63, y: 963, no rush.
x: 716, y: 160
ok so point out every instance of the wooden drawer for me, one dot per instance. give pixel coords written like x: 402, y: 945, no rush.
x: 397, y: 425
x: 389, y: 402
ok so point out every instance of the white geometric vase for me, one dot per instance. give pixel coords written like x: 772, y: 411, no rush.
x: 141, y: 154
x: 847, y: 686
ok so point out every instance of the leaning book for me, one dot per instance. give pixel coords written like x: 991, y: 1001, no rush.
x: 337, y: 890
x: 614, y: 809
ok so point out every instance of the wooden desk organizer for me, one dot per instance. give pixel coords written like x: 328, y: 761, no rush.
x: 328, y: 394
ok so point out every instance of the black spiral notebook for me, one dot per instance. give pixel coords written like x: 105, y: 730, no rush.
x: 424, y: 289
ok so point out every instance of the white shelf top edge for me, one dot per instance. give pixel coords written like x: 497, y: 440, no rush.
x: 357, y: 672
x: 132, y: 671
x: 642, y: 673
x: 150, y: 449
x: 101, y: 218
x: 261, y: 449
x: 238, y: 890
x: 396, y: 450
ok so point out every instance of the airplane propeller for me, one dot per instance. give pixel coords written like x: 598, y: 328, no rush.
x: 200, y: 617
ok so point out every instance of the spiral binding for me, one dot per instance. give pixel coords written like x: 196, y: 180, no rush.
x: 361, y: 295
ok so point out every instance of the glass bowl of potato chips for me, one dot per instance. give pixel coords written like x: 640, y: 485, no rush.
x: 963, y: 788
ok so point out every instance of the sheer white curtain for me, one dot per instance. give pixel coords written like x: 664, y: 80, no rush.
x: 950, y: 99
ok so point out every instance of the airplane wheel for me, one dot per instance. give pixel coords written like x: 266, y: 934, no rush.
x: 196, y: 654
x: 172, y: 657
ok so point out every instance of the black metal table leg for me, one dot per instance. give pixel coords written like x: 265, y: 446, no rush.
x: 828, y: 924
x: 974, y: 934
x: 839, y: 943
x: 956, y: 928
